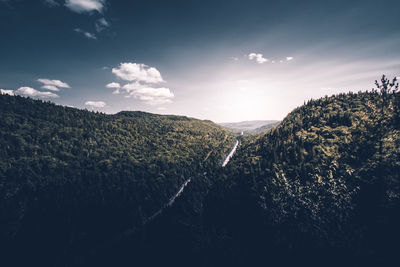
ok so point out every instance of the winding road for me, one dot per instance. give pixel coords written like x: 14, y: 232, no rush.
x: 180, y: 191
x: 170, y: 202
x: 230, y: 155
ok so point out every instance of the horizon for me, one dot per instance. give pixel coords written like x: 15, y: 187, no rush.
x: 171, y: 114
x: 224, y: 61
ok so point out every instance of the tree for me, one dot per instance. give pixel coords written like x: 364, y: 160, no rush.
x: 386, y: 87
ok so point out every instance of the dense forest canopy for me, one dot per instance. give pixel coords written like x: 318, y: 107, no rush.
x: 60, y: 165
x: 324, y: 183
x: 321, y: 188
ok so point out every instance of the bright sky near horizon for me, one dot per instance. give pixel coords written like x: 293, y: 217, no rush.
x: 212, y: 59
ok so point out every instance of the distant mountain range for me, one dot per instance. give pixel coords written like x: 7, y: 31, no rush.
x: 257, y: 126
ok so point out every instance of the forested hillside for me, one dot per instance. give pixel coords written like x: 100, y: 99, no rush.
x: 324, y: 184
x: 320, y: 189
x: 71, y: 178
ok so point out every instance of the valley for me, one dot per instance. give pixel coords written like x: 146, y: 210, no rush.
x: 81, y: 188
x: 179, y: 133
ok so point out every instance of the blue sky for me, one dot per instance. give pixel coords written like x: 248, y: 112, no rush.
x: 219, y: 60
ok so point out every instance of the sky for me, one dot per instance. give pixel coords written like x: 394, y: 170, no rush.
x: 225, y: 61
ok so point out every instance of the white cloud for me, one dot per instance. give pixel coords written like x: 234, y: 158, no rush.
x: 138, y: 72
x: 95, y: 104
x: 56, y: 83
x: 149, y: 95
x: 53, y: 85
x: 50, y: 87
x: 6, y: 92
x: 28, y: 91
x: 142, y: 84
x: 86, y: 34
x: 258, y: 57
x: 153, y: 96
x: 289, y: 58
x: 113, y: 85
x: 101, y: 24
x: 81, y: 6
x: 161, y: 92
x: 132, y: 86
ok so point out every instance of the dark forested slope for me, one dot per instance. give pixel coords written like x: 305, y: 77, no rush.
x: 324, y: 184
x: 71, y: 177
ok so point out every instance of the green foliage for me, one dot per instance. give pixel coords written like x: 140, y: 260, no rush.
x: 74, y: 173
x: 323, y: 184
x: 327, y: 177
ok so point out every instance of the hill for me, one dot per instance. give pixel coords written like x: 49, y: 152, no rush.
x: 322, y: 188
x: 265, y: 127
x: 324, y: 184
x: 67, y: 175
x: 251, y: 126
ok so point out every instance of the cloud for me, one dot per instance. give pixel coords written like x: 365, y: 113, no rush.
x: 51, y: 3
x: 258, y: 57
x: 50, y: 87
x: 95, y: 104
x: 57, y: 83
x: 6, y: 92
x: 101, y: 24
x: 82, y: 6
x: 113, y: 85
x: 53, y: 85
x: 149, y: 95
x: 132, y: 86
x: 142, y: 84
x: 138, y: 72
x: 86, y: 34
x: 28, y: 91
x: 153, y: 96
x: 289, y: 58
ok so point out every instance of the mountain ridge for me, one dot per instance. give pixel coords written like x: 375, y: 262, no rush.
x: 252, y: 126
